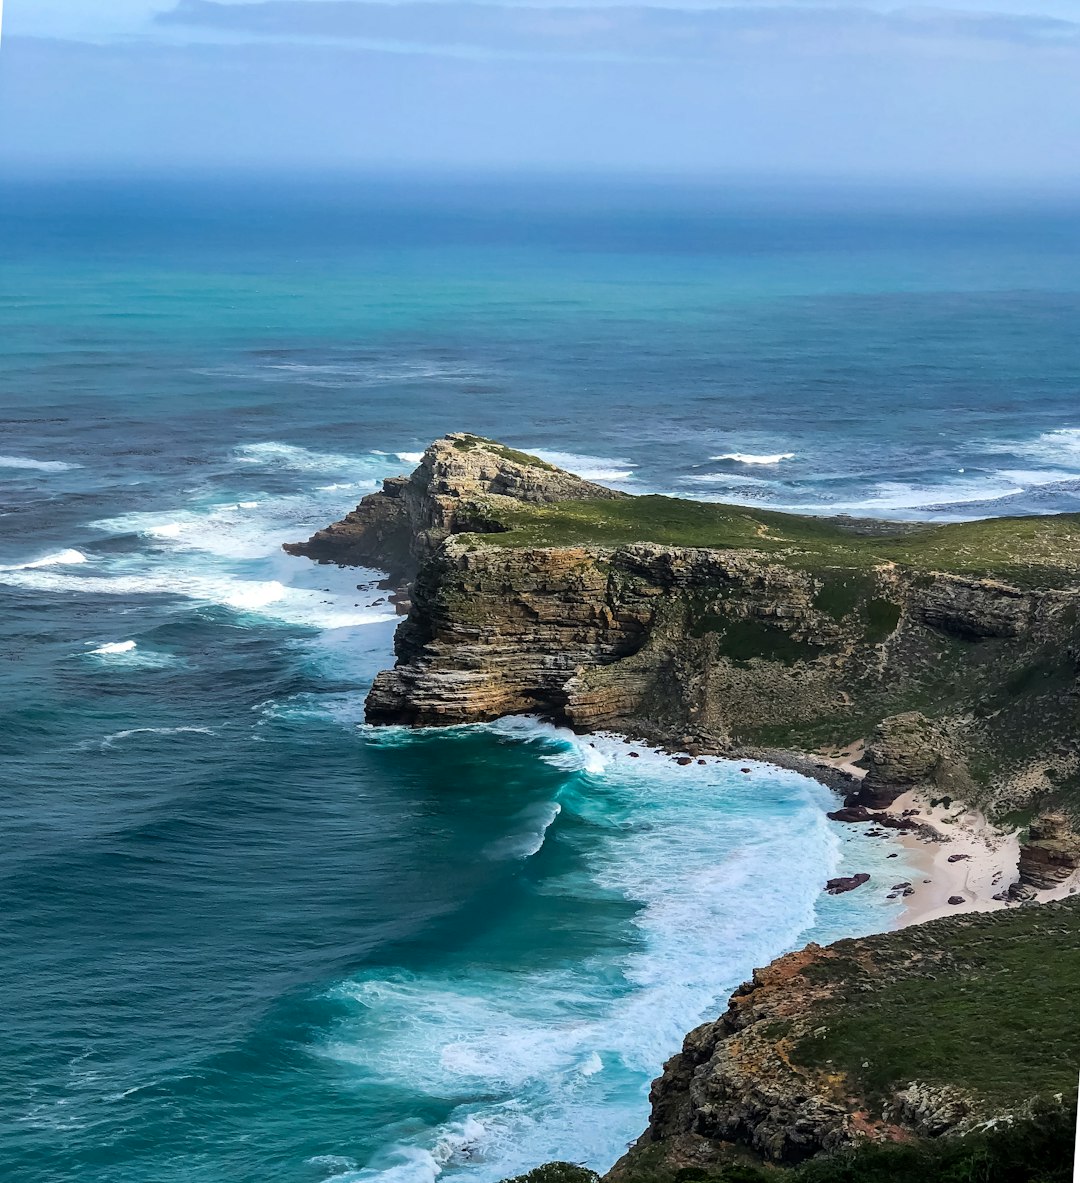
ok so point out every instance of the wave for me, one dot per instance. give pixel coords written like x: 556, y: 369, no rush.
x: 127, y: 655
x: 109, y: 741
x: 62, y: 558
x: 273, y: 454
x: 755, y: 458
x: 116, y: 647
x: 1055, y: 447
x: 589, y: 468
x: 269, y: 598
x: 27, y: 462
x: 559, y: 1053
x: 537, y: 820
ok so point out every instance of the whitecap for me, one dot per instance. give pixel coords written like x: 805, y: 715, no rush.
x: 410, y: 457
x: 1055, y: 447
x: 270, y: 598
x: 589, y: 468
x: 273, y: 454
x: 115, y: 647
x: 755, y: 457
x: 27, y: 462
x: 61, y: 558
x: 109, y: 740
x: 126, y: 655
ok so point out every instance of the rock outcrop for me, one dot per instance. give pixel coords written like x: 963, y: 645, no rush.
x: 398, y: 528
x: 1051, y: 852
x: 805, y: 1059
x: 909, y: 751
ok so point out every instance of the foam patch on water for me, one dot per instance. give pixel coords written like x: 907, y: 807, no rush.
x: 589, y: 468
x: 109, y: 741
x: 268, y: 598
x: 553, y: 1060
x: 1053, y: 447
x: 126, y: 655
x: 770, y: 459
x: 30, y: 464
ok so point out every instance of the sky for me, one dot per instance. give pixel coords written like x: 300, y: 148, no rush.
x: 983, y: 91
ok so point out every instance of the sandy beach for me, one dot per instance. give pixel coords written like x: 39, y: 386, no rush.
x: 957, y: 855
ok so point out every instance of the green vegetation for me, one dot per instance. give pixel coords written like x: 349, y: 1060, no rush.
x: 1033, y: 551
x: 986, y: 1011
x: 512, y: 454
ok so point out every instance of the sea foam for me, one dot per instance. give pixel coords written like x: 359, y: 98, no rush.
x: 559, y: 1056
x: 27, y: 462
x: 589, y: 468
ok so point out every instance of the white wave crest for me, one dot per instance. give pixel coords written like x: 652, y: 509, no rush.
x: 272, y: 454
x: 755, y: 457
x: 589, y: 468
x: 271, y: 598
x: 109, y: 741
x: 116, y: 647
x: 27, y: 462
x: 62, y: 558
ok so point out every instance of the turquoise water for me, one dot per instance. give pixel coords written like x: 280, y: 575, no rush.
x: 249, y: 939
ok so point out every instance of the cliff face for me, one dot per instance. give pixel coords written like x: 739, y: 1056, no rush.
x: 767, y: 632
x: 906, y: 1034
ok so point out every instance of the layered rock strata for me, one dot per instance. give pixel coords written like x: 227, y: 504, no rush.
x: 782, y: 633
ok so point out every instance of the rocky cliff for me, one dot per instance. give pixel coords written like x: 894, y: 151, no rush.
x: 927, y: 1032
x: 953, y: 650
x: 459, y: 486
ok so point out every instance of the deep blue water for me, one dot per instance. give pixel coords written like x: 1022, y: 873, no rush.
x: 249, y: 940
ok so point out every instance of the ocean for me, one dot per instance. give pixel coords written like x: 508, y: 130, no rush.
x: 249, y: 939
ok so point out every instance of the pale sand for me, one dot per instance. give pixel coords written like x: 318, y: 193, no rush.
x: 989, y: 870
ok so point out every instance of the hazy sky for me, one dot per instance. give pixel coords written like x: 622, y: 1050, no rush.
x: 966, y: 89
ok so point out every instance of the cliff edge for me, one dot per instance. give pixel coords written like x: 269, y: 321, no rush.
x: 952, y: 651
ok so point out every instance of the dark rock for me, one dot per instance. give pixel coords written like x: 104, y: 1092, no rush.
x: 852, y: 813
x: 635, y: 755
x: 683, y: 760
x: 956, y: 899
x: 848, y: 883
x: 958, y: 858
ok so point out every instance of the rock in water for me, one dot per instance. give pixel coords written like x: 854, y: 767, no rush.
x: 848, y: 883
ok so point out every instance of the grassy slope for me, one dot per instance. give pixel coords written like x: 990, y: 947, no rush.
x: 1034, y: 551
x: 988, y: 1006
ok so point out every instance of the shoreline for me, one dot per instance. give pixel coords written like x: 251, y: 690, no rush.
x: 957, y: 853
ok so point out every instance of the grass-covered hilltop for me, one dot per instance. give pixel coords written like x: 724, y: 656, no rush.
x: 945, y: 657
